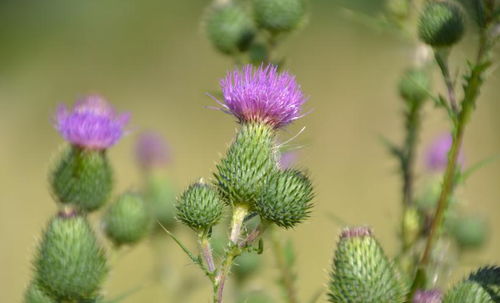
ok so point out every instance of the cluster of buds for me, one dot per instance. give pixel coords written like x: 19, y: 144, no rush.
x: 236, y: 29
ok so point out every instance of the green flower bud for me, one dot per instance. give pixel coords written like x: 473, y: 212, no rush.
x: 70, y: 264
x: 470, y: 232
x: 35, y: 294
x: 200, y: 207
x: 414, y: 86
x: 441, y: 23
x: 286, y: 199
x: 246, y: 265
x: 82, y: 178
x: 127, y: 220
x: 160, y: 197
x: 241, y: 174
x: 362, y: 272
x: 229, y: 28
x: 278, y: 15
x: 482, y: 286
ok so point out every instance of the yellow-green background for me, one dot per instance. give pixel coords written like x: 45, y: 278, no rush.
x: 151, y: 58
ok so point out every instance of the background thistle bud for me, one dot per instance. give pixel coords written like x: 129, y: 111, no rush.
x: 35, y: 294
x: 82, y: 178
x: 278, y: 15
x: 199, y: 207
x: 286, y: 198
x: 414, y: 86
x: 470, y: 232
x: 70, y: 264
x: 441, y: 23
x: 160, y: 197
x: 250, y: 159
x: 361, y: 272
x: 229, y: 28
x: 127, y: 220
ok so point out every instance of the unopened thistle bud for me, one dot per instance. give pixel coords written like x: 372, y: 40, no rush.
x: 482, y: 286
x: 200, y: 207
x: 470, y: 232
x: 241, y: 174
x: 262, y: 95
x: 35, y: 294
x: 361, y: 271
x: 441, y: 23
x: 229, y: 28
x: 70, y: 264
x: 427, y: 296
x: 279, y: 15
x: 82, y: 178
x: 286, y: 198
x: 127, y: 220
x: 414, y: 86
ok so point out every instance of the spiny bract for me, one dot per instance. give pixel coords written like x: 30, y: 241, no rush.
x: 361, y: 272
x: 199, y: 207
x: 82, y: 178
x: 242, y: 173
x: 70, y: 264
x: 286, y: 198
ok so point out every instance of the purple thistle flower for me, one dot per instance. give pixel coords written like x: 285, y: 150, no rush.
x: 151, y: 150
x: 427, y: 296
x: 91, y: 124
x: 262, y: 95
x: 437, y: 153
x: 356, y: 232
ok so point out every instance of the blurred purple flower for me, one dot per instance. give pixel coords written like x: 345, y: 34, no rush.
x: 356, y: 232
x: 427, y: 296
x: 91, y: 124
x: 437, y: 153
x: 151, y: 150
x: 287, y: 159
x: 262, y: 95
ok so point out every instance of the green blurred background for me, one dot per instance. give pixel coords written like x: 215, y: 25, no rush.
x: 151, y: 58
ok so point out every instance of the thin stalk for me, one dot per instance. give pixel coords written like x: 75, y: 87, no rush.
x: 442, y: 61
x: 206, y: 251
x: 232, y: 251
x: 287, y: 277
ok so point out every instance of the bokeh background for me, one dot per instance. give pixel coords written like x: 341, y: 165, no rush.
x: 152, y: 58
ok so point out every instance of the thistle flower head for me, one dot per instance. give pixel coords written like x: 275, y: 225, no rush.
x: 356, y: 232
x: 151, y: 150
x: 262, y: 95
x: 427, y: 296
x: 437, y: 153
x: 91, y: 124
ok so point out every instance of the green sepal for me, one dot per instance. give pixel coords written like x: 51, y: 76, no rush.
x: 82, y: 178
x: 200, y: 207
x: 70, y: 263
x: 286, y: 198
x: 241, y: 175
x: 361, y: 272
x: 127, y: 220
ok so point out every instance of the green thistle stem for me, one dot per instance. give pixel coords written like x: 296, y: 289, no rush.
x: 471, y: 91
x: 287, y: 277
x: 232, y: 251
x: 206, y: 251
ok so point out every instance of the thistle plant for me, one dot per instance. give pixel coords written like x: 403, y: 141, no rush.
x: 248, y: 180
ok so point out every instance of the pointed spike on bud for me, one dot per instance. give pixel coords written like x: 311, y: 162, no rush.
x: 70, y: 263
x: 127, y: 220
x: 229, y: 28
x: 441, y: 23
x: 82, y: 178
x: 427, y: 296
x: 361, y: 272
x: 200, y: 207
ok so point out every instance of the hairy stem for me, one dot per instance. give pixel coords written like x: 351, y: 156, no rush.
x: 206, y: 251
x: 286, y: 274
x: 441, y: 57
